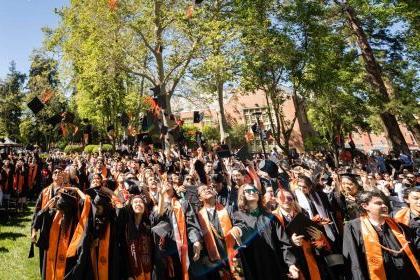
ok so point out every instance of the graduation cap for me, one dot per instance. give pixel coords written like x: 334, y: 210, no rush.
x: 144, y: 138
x: 124, y: 119
x: 156, y: 90
x: 163, y: 130
x: 110, y: 128
x: 54, y: 120
x: 300, y: 224
x: 269, y: 167
x: 102, y: 198
x: 242, y: 154
x: 68, y: 117
x: 36, y: 105
x: 160, y: 101
x: 162, y: 229
x: 255, y: 128
x: 224, y: 152
x: 198, y: 117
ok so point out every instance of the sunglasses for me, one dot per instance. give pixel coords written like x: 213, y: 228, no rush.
x: 250, y: 191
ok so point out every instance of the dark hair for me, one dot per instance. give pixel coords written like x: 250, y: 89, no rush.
x: 242, y: 203
x: 306, y: 180
x: 409, y: 190
x: 365, y: 197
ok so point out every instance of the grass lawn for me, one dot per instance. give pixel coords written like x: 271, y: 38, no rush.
x: 14, y: 247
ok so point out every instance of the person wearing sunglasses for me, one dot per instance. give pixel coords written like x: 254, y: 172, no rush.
x: 265, y: 249
x: 309, y: 248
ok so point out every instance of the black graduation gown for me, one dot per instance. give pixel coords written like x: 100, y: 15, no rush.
x: 169, y: 249
x: 127, y: 232
x: 266, y: 251
x: 205, y: 268
x: 396, y: 266
x: 83, y: 265
x: 414, y: 226
x: 43, y: 222
x: 319, y: 255
x: 38, y: 205
x: 228, y: 198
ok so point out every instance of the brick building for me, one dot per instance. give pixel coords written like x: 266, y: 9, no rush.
x: 239, y: 109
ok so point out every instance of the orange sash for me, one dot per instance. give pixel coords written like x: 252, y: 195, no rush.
x: 55, y: 266
x: 374, y: 250
x: 307, y: 252
x: 100, y: 264
x: 208, y: 235
x: 18, y: 181
x: 46, y: 196
x: 80, y: 229
x: 403, y: 216
x: 33, y: 170
x: 183, y: 243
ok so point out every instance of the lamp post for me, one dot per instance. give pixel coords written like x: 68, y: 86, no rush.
x: 257, y: 116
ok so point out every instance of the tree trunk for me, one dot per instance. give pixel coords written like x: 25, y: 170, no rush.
x: 415, y: 130
x: 222, y: 117
x: 390, y: 124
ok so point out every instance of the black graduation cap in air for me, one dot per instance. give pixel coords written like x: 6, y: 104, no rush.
x: 255, y: 128
x: 156, y: 90
x: 224, y: 152
x: 36, y: 105
x: 242, y: 154
x: 161, y: 101
x: 198, y: 117
x: 110, y: 128
x: 198, y: 2
x: 68, y: 117
x: 54, y: 120
x: 124, y: 119
x: 144, y: 138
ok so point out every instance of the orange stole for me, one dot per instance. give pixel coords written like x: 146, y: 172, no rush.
x: 80, y: 229
x: 46, y: 196
x: 100, y: 264
x: 55, y: 266
x: 209, y: 240
x: 18, y: 181
x: 374, y: 251
x: 403, y: 216
x: 33, y: 170
x: 307, y: 252
x: 183, y: 243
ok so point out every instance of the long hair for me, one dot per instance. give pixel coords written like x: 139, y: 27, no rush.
x: 242, y: 202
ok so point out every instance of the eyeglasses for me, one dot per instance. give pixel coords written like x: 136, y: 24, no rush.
x: 250, y: 191
x: 57, y: 171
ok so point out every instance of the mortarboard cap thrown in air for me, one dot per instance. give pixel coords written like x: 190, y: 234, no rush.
x: 36, y: 105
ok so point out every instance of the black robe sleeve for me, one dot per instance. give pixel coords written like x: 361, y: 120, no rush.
x: 193, y: 227
x: 353, y: 251
x: 284, y: 242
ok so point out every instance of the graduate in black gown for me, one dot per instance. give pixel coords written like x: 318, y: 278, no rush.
x: 56, y: 223
x: 266, y: 250
x: 410, y: 216
x: 311, y: 244
x: 95, y: 248
x: 376, y: 246
x: 136, y: 238
x: 176, y: 234
x: 220, y: 261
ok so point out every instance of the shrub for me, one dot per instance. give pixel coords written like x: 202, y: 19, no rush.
x: 73, y: 149
x: 89, y: 149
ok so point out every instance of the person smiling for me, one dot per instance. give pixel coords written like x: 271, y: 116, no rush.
x: 376, y: 246
x: 266, y: 253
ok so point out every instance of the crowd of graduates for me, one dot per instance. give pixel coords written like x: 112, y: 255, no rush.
x: 210, y: 214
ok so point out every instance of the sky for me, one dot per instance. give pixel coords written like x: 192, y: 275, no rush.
x: 20, y: 29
